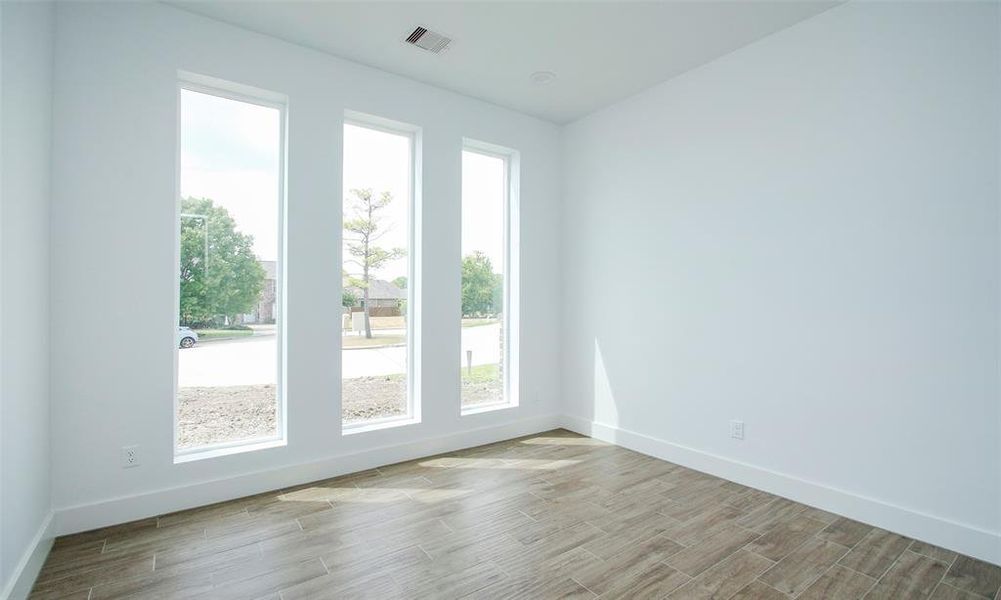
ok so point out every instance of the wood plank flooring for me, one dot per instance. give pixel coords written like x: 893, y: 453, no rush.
x: 554, y: 515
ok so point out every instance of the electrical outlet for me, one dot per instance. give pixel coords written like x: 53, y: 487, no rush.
x: 130, y: 456
x: 737, y: 430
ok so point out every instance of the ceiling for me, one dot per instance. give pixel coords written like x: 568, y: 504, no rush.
x: 600, y: 52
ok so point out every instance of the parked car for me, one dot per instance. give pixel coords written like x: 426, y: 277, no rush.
x: 186, y: 337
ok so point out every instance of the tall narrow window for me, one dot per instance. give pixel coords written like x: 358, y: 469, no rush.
x: 487, y: 343
x: 230, y: 271
x: 378, y: 316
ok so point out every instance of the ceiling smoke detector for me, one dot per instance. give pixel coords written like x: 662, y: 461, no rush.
x: 542, y: 77
x: 425, y: 39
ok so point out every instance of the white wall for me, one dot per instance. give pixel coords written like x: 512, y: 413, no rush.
x: 25, y: 138
x: 804, y: 235
x: 115, y: 118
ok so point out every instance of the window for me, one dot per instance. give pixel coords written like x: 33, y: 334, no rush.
x: 488, y: 340
x: 229, y: 224
x: 379, y: 315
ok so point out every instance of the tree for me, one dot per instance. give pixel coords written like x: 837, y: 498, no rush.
x: 348, y: 298
x: 481, y: 287
x: 220, y: 275
x: 362, y: 232
x: 400, y: 282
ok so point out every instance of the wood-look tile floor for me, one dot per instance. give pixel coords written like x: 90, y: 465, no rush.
x: 552, y: 515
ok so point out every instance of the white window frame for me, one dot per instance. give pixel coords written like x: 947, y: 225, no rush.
x: 413, y: 134
x: 512, y: 275
x: 241, y: 93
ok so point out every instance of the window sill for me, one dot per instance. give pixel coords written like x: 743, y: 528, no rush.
x: 378, y: 425
x: 202, y: 454
x: 485, y: 408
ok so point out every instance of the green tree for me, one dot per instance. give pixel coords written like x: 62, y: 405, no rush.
x: 400, y: 282
x: 363, y: 229
x: 497, y: 294
x: 348, y: 298
x: 220, y: 275
x: 481, y: 287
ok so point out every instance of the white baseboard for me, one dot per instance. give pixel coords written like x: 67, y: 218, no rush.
x: 960, y: 537
x: 114, y: 511
x: 973, y: 541
x: 18, y: 587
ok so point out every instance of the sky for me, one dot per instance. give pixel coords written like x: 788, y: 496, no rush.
x: 483, y: 189
x: 381, y: 162
x: 231, y: 152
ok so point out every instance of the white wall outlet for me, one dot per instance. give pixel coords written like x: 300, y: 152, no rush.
x: 737, y: 430
x: 130, y: 456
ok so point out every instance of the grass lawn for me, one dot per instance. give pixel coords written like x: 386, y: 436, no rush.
x: 478, y: 322
x: 360, y: 341
x: 216, y: 334
x: 481, y: 374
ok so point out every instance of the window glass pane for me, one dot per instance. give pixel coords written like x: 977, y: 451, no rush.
x: 230, y: 210
x: 376, y: 274
x: 484, y: 195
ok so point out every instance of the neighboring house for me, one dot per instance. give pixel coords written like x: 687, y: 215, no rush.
x: 384, y: 298
x: 265, y: 310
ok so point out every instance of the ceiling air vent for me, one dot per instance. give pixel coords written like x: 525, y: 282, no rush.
x: 425, y: 39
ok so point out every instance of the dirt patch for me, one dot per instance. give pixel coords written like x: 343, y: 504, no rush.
x: 484, y: 392
x: 366, y: 398
x: 211, y: 415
